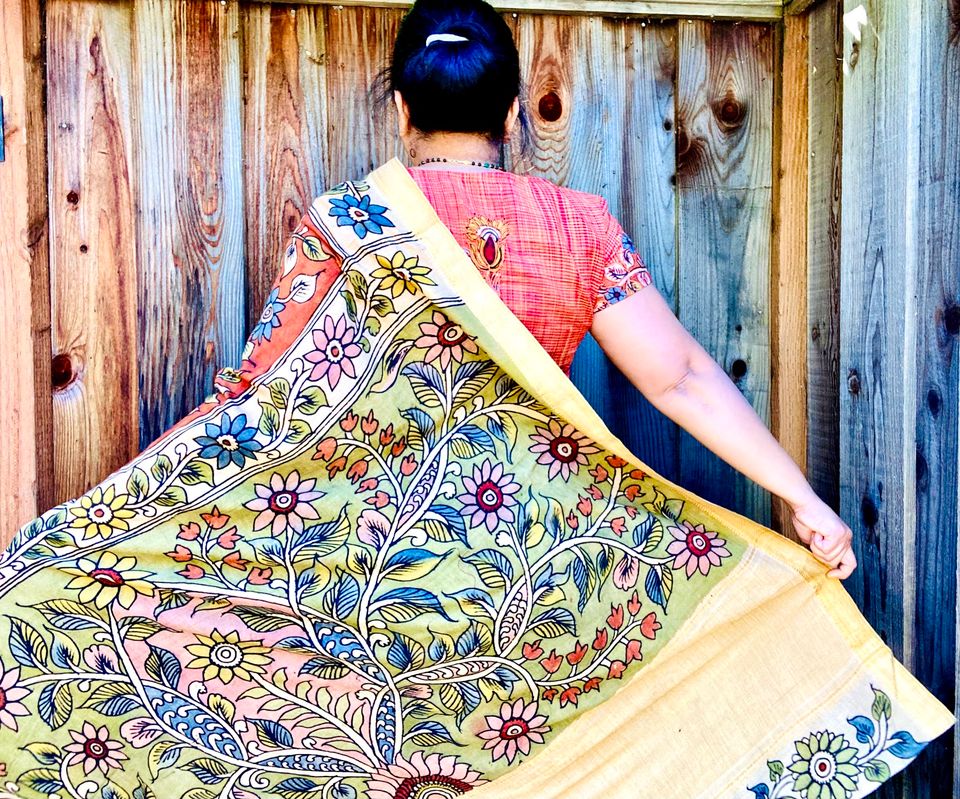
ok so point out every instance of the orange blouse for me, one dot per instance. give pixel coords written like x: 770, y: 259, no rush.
x: 554, y: 255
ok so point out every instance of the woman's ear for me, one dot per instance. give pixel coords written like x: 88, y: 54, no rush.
x: 403, y: 114
x: 512, y: 115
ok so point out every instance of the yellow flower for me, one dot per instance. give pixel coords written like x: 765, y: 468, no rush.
x: 101, y: 512
x: 110, y: 578
x: 226, y: 656
x: 402, y: 273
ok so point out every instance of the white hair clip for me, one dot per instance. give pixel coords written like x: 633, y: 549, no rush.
x: 445, y: 37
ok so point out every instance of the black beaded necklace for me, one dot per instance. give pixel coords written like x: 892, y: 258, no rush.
x: 484, y: 164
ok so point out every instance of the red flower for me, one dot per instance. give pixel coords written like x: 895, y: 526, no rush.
x: 595, y: 492
x: 593, y: 684
x: 325, y: 449
x: 259, y: 576
x: 386, y: 435
x: 181, y: 554
x: 577, y: 654
x: 649, y: 626
x: 379, y: 500
x: 357, y: 471
x: 369, y: 424
x: 633, y: 650
x: 399, y: 446
x: 192, y: 572
x: 336, y: 466
x: 570, y: 695
x: 638, y: 474
x: 549, y: 694
x: 215, y: 519
x: 633, y: 606
x: 369, y: 484
x: 585, y: 506
x: 631, y: 511
x: 348, y: 422
x: 615, y: 619
x: 618, y: 525
x: 615, y: 463
x: 616, y: 670
x: 552, y: 663
x: 189, y: 532
x: 601, y: 640
x: 408, y: 466
x: 532, y: 651
x: 631, y: 491
x: 228, y: 538
x: 600, y: 474
x: 238, y: 563
x: 573, y: 521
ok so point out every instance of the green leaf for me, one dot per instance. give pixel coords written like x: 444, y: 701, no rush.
x: 174, y: 495
x: 45, y: 754
x: 27, y: 646
x: 776, y: 769
x: 298, y: 431
x: 554, y: 623
x: 138, y: 484
x: 876, y: 771
x: 45, y: 781
x: 269, y: 420
x: 358, y: 283
x: 279, y: 392
x: 197, y: 471
x: 313, y: 249
x: 161, y: 468
x: 139, y: 628
x: 55, y: 704
x: 311, y: 400
x: 382, y: 305
x: 263, y: 621
x: 881, y: 704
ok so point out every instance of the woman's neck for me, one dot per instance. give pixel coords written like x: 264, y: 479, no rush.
x: 454, y: 147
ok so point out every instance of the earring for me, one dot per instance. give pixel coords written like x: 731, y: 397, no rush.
x: 413, y: 153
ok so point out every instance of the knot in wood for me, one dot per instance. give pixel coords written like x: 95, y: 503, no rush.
x: 853, y: 382
x: 72, y: 197
x: 550, y: 107
x: 951, y: 319
x: 730, y: 112
x: 62, y: 373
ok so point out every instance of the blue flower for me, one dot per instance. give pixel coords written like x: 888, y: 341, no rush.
x: 614, y: 294
x: 231, y: 440
x: 628, y: 244
x: 269, y: 319
x: 364, y: 217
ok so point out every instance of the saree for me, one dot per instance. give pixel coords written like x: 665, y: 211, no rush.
x: 406, y: 560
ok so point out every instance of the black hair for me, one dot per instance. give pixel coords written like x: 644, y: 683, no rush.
x: 456, y: 86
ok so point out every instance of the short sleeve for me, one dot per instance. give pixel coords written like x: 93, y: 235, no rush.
x: 622, y: 270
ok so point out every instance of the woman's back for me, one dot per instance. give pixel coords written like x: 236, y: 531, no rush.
x: 554, y: 255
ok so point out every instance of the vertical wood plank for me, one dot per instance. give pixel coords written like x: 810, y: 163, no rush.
x: 361, y: 136
x: 92, y: 257
x: 191, y: 223
x: 284, y: 133
x: 823, y: 253
x: 937, y: 396
x: 26, y: 472
x: 788, y: 281
x: 724, y: 118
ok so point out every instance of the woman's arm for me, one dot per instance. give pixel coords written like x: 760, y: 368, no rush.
x: 658, y: 355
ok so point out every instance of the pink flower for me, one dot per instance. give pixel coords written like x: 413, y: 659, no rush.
x: 561, y: 448
x: 488, y: 496
x: 140, y: 732
x: 372, y: 527
x: 444, y: 340
x: 695, y: 547
x: 284, y: 503
x: 514, y: 730
x: 626, y: 572
x: 430, y: 775
x: 335, y: 351
x: 94, y: 749
x: 10, y: 696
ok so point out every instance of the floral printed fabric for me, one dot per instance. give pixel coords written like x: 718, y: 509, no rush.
x: 371, y: 565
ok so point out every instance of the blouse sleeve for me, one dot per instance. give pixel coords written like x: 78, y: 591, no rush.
x: 622, y: 270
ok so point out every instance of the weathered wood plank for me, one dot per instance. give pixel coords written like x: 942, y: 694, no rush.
x: 715, y: 9
x: 284, y: 133
x: 937, y: 229
x: 823, y: 253
x: 26, y: 472
x: 788, y: 280
x: 190, y: 234
x: 92, y: 254
x: 724, y: 119
x: 359, y: 43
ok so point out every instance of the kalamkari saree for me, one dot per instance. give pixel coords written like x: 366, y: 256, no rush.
x: 408, y: 561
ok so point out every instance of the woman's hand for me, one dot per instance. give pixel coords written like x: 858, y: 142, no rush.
x: 829, y: 539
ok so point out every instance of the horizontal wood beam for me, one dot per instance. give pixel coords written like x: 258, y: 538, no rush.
x: 718, y: 9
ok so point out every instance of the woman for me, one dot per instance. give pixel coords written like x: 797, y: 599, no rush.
x: 397, y: 556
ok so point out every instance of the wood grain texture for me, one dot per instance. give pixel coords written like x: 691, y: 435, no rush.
x: 717, y: 9
x: 788, y: 279
x: 92, y: 255
x: 191, y: 224
x: 937, y: 229
x: 823, y: 252
x: 284, y: 133
x: 26, y: 440
x: 361, y: 135
x: 724, y: 130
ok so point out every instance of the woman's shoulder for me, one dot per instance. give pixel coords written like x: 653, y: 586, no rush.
x: 582, y: 201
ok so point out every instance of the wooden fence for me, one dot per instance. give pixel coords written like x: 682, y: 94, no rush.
x: 793, y: 183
